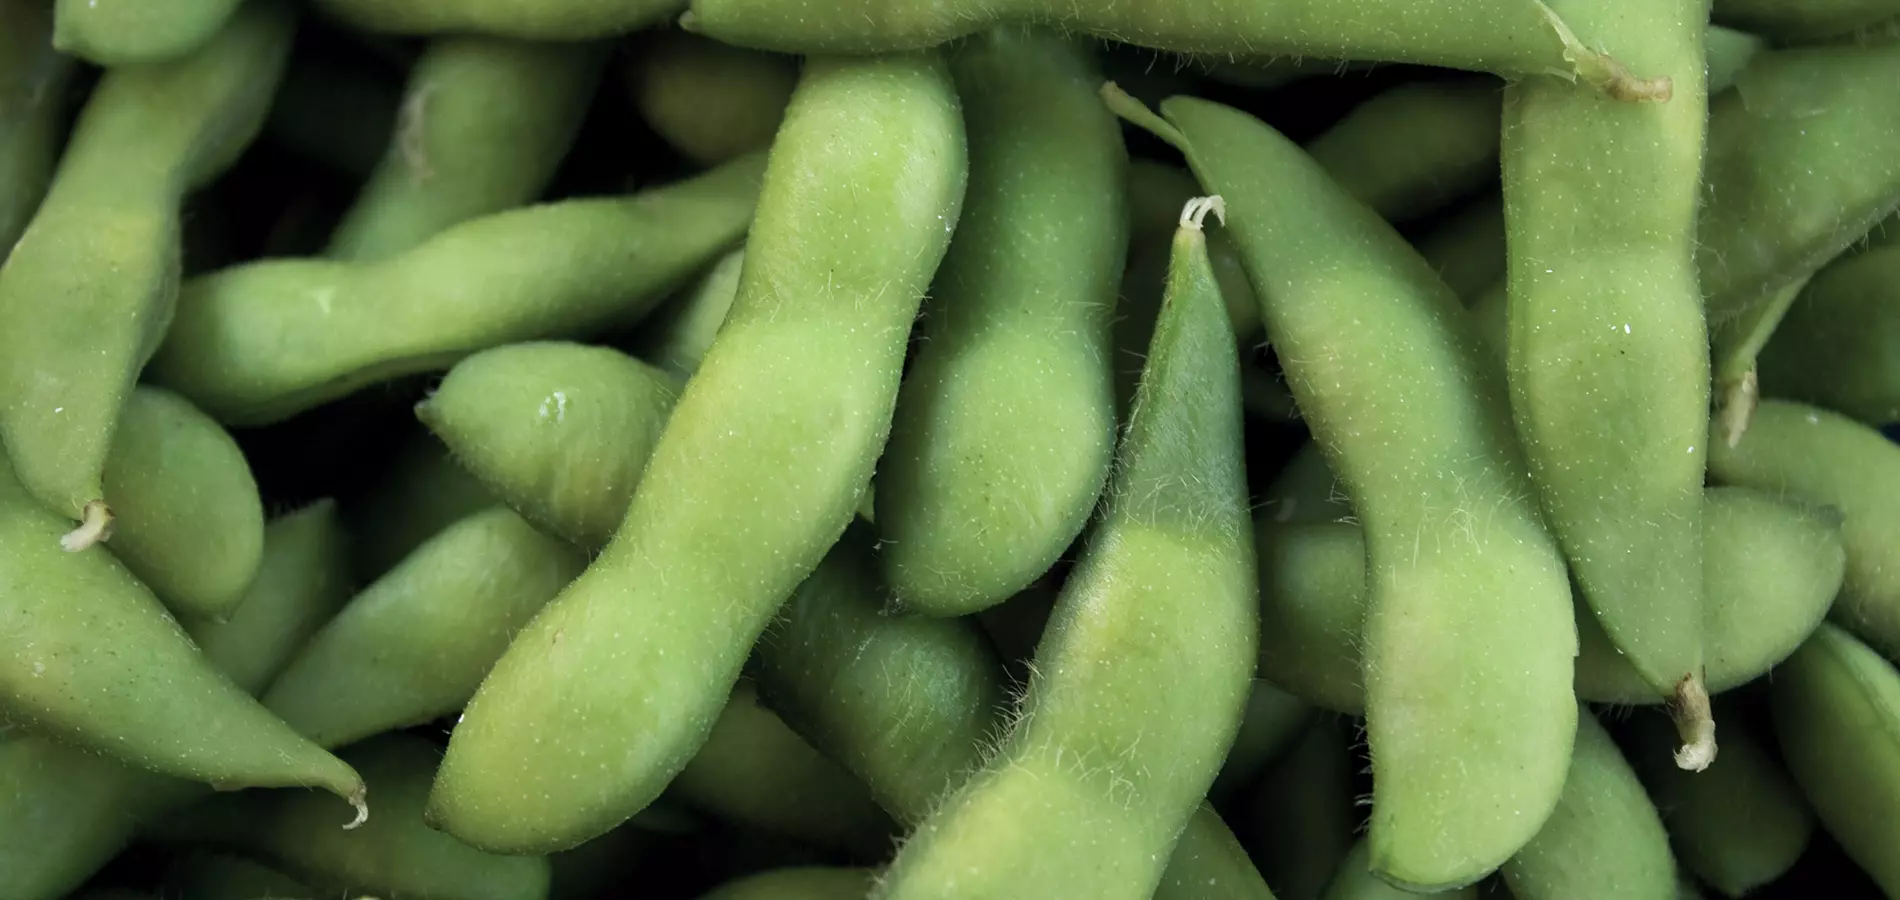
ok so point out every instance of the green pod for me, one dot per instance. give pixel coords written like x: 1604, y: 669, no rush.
x: 755, y: 771
x: 1737, y: 826
x: 33, y: 80
x: 1005, y: 424
x: 413, y: 646
x: 1515, y: 38
x: 423, y: 491
x: 548, y: 20
x: 1836, y: 707
x: 1141, y: 676
x: 1605, y: 838
x: 1412, y: 149
x: 1467, y: 248
x: 131, y: 32
x: 1729, y: 52
x: 758, y: 472
x: 1354, y: 881
x: 1837, y: 346
x: 710, y: 101
x: 806, y: 883
x: 1803, y: 159
x: 227, y: 877
x: 188, y: 520
x: 1607, y: 348
x: 1307, y: 491
x: 1300, y: 816
x: 561, y: 432
x: 87, y: 292
x: 1274, y: 722
x: 261, y: 342
x: 678, y: 335
x: 1809, y: 20
x: 335, y: 114
x: 483, y: 124
x: 1812, y: 454
x: 393, y: 854
x: 1770, y: 572
x: 1468, y: 710
x: 66, y: 812
x: 1209, y: 863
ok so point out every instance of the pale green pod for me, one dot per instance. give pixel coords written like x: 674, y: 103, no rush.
x: 422, y: 491
x: 559, y: 431
x: 711, y: 101
x: 1467, y: 249
x: 128, y: 32
x: 812, y: 883
x: 1808, y: 20
x: 1836, y: 346
x: 551, y: 20
x: 1273, y: 722
x: 1354, y: 881
x: 678, y: 334
x: 1300, y: 817
x: 1412, y: 149
x: 33, y: 80
x: 188, y: 519
x: 413, y: 646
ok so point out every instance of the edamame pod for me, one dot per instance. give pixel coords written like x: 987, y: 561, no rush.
x: 1803, y: 159
x: 413, y: 646
x: 1141, y: 676
x: 813, y: 883
x: 189, y: 522
x: 1470, y: 636
x: 422, y: 491
x: 710, y: 101
x: 1770, y: 572
x: 757, y: 473
x: 560, y: 431
x: 1006, y: 421
x: 753, y: 770
x: 1825, y: 457
x: 260, y: 342
x: 1608, y: 358
x: 394, y: 854
x: 228, y: 877
x: 1806, y: 21
x: 483, y: 124
x: 1836, y: 347
x: 65, y: 812
x: 1737, y: 826
x: 1836, y: 707
x: 1354, y: 881
x: 1155, y: 194
x: 33, y: 79
x: 88, y: 291
x: 1412, y: 149
x: 129, y: 32
x: 678, y: 335
x: 1467, y: 249
x: 1605, y: 838
x: 1300, y: 817
x: 1273, y: 722
x: 549, y: 20
x: 1516, y: 38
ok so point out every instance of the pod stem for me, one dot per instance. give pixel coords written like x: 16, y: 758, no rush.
x: 358, y: 798
x: 1737, y: 405
x: 95, y: 525
x: 1602, y: 71
x: 1695, y: 724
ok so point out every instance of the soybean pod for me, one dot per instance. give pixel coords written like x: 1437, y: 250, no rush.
x: 1006, y: 420
x: 678, y: 335
x: 1469, y: 636
x: 548, y: 20
x: 1806, y: 21
x: 757, y: 473
x: 1300, y: 816
x: 1141, y: 676
x: 88, y: 291
x: 710, y: 101
x: 1354, y: 881
x: 1608, y: 357
x: 1836, y: 346
x: 1412, y: 149
x: 128, y: 32
x: 33, y: 79
x: 804, y: 883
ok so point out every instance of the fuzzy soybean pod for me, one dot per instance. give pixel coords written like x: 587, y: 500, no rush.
x: 1837, y: 346
x: 413, y: 645
x: 559, y: 431
x: 1354, y: 881
x: 1804, y: 158
x: 65, y: 812
x: 1807, y: 21
x: 1142, y: 673
x: 189, y: 522
x: 1006, y: 421
x: 1467, y: 248
x: 421, y: 492
x: 87, y: 292
x: 33, y: 79
x: 1506, y: 37
x: 394, y: 854
x: 1836, y: 709
x: 1605, y: 839
x: 758, y: 472
x: 1300, y: 816
x: 1770, y: 572
x: 91, y: 658
x: 1470, y: 634
x: 1414, y: 148
x: 1739, y: 825
x: 708, y: 100
x: 803, y: 883
x: 1608, y: 358
x: 678, y: 335
x: 130, y: 32
x: 261, y: 342
x: 1824, y: 457
x: 483, y: 124
x: 548, y: 20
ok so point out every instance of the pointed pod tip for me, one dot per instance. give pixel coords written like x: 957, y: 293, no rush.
x: 95, y: 526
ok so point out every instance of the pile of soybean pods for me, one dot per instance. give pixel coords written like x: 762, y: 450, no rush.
x: 938, y: 449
